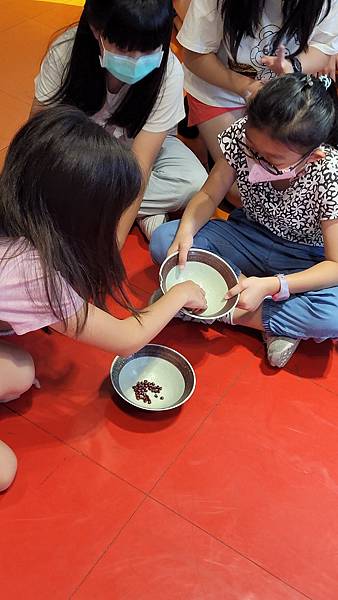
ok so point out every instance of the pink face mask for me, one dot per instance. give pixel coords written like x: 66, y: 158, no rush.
x: 257, y: 173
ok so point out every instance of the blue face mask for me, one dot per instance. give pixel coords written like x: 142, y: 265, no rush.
x: 127, y: 69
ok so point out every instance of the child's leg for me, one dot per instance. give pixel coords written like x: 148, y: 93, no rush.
x: 303, y: 316
x: 176, y: 176
x: 17, y: 372
x: 236, y: 241
x: 210, y: 129
x: 8, y: 466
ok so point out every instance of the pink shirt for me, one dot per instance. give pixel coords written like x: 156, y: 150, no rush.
x: 23, y: 301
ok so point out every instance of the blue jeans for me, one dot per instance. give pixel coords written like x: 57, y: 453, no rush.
x: 253, y: 250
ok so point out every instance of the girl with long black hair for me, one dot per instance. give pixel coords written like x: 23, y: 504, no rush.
x: 65, y: 185
x: 116, y: 65
x: 232, y: 46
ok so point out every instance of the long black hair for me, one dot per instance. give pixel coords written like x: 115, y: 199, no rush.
x: 297, y: 111
x: 141, y: 25
x: 64, y: 186
x: 242, y: 18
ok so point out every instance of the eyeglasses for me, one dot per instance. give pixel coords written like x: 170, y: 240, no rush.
x: 250, y: 153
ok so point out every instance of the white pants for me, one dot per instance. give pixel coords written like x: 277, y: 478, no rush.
x: 176, y: 176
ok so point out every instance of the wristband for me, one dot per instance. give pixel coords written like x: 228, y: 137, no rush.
x: 284, y: 292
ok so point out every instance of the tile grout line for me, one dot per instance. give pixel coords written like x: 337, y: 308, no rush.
x: 322, y: 386
x: 81, y: 453
x: 216, y: 405
x: 108, y: 547
x: 77, y: 451
x: 215, y: 537
x: 17, y: 98
x: 13, y: 26
x: 24, y: 19
x: 148, y: 494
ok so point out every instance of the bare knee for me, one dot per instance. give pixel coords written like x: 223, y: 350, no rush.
x: 17, y: 372
x: 8, y: 466
x: 210, y: 130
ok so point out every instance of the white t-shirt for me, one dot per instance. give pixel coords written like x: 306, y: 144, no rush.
x: 169, y: 106
x: 202, y: 32
x: 294, y: 214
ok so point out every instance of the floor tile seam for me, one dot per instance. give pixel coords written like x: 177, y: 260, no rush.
x: 194, y: 433
x: 322, y: 386
x: 52, y: 29
x: 124, y: 480
x: 6, y: 29
x: 13, y: 96
x: 229, y: 547
x: 107, y: 548
x: 79, y: 452
x: 137, y: 288
x: 23, y: 19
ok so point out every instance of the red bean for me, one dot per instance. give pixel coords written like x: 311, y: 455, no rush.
x: 141, y: 389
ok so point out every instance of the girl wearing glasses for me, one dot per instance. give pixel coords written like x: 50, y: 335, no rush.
x: 231, y: 47
x: 117, y: 67
x: 284, y: 241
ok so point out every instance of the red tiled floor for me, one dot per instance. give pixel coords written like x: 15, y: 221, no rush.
x: 262, y: 476
x: 21, y: 50
x: 15, y: 12
x: 59, y: 516
x: 141, y: 271
x: 160, y: 555
x: 2, y: 157
x: 58, y: 16
x: 317, y: 362
x: 249, y: 464
x: 14, y: 114
x: 75, y: 402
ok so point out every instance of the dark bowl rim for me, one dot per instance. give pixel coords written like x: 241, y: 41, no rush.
x: 186, y: 312
x: 149, y: 408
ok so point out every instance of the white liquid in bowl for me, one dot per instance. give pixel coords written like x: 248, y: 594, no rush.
x: 157, y: 370
x: 208, y: 278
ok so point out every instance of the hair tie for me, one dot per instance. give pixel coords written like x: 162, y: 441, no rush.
x: 309, y: 81
x: 325, y: 80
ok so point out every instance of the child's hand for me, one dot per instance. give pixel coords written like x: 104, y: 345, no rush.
x: 278, y: 64
x: 181, y: 244
x: 195, y: 296
x: 252, y: 291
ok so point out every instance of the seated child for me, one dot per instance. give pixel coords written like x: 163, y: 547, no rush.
x: 284, y: 241
x: 66, y: 183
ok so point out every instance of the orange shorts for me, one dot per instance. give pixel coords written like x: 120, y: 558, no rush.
x: 200, y: 112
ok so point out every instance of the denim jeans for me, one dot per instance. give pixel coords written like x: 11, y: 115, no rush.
x: 253, y: 250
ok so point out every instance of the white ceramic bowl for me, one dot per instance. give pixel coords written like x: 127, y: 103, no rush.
x: 211, y: 272
x: 161, y: 365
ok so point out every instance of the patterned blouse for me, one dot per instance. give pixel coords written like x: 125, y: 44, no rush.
x: 295, y: 213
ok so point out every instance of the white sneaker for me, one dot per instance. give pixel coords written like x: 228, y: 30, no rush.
x: 149, y: 224
x: 280, y: 349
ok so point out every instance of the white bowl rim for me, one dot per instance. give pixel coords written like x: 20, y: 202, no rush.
x: 187, y: 312
x: 149, y: 407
